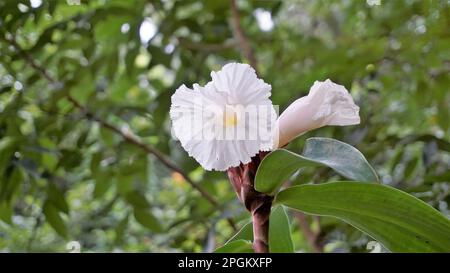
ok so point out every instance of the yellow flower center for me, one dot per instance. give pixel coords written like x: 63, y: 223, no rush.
x: 230, y: 118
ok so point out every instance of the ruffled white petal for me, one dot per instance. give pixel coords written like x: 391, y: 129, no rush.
x: 209, y: 120
x: 241, y: 84
x: 326, y: 104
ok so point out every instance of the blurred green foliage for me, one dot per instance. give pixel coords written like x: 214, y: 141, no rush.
x: 66, y: 177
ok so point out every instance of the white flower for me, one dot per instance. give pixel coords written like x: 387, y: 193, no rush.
x: 231, y: 118
x: 226, y: 122
x: 326, y: 104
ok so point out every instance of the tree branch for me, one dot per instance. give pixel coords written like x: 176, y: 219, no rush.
x: 239, y: 33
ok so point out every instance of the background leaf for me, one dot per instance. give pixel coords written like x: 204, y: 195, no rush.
x: 280, y: 240
x: 147, y: 219
x: 56, y: 197
x: 54, y: 219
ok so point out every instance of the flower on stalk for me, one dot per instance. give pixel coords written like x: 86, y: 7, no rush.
x: 227, y: 121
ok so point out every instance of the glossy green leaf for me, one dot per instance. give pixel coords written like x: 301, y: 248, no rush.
x: 341, y: 157
x: 238, y: 246
x: 280, y: 240
x: 399, y: 221
x: 280, y: 165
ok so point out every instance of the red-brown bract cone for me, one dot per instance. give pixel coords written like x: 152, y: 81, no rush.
x: 258, y: 204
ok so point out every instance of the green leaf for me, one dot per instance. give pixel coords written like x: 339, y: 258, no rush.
x: 6, y: 142
x: 12, y: 185
x: 56, y: 197
x: 6, y: 212
x: 120, y: 230
x: 238, y: 246
x: 103, y: 181
x: 341, y: 157
x: 147, y: 219
x: 410, y: 168
x: 137, y: 200
x: 54, y: 219
x: 245, y: 233
x: 107, y: 137
x: 280, y: 240
x: 280, y: 165
x: 399, y: 221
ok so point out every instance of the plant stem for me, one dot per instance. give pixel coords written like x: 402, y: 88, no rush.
x: 260, y: 216
x: 257, y: 203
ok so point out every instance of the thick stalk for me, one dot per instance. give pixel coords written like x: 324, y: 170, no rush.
x: 257, y: 203
x: 260, y: 216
